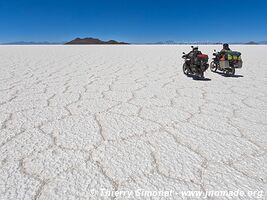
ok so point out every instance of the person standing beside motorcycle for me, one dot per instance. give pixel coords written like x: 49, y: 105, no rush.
x: 225, y: 50
x: 195, y: 63
x: 193, y: 54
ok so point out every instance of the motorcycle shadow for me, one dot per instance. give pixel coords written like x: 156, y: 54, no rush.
x: 197, y: 78
x: 227, y: 75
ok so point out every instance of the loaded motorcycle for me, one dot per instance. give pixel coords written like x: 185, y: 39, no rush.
x: 195, y: 63
x: 226, y: 62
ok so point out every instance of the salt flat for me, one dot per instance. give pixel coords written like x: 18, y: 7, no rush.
x: 77, y: 120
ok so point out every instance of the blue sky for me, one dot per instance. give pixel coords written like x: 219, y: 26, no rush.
x: 133, y: 20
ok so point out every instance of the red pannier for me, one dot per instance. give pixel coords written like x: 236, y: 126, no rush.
x: 203, y: 56
x: 200, y: 58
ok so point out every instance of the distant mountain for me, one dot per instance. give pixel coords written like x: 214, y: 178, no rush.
x: 165, y: 42
x: 209, y: 43
x: 263, y: 42
x: 31, y: 43
x: 170, y: 42
x: 93, y: 41
x: 251, y: 42
x: 98, y: 41
x: 157, y: 43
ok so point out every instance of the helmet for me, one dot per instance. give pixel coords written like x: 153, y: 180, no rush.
x: 226, y: 46
x: 195, y: 48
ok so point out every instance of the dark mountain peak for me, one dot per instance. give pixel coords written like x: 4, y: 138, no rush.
x: 251, y: 42
x: 91, y: 40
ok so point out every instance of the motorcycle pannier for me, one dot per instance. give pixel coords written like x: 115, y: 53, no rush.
x: 233, y: 55
x: 203, y: 57
x: 200, y: 58
x: 239, y: 64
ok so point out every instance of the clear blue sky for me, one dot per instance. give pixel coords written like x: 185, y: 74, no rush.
x: 133, y: 20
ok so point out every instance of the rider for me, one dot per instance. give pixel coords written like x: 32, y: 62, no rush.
x: 192, y: 54
x: 225, y: 48
x: 224, y: 51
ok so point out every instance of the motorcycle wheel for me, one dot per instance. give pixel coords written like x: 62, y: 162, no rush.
x: 230, y: 71
x: 185, y: 69
x: 213, y: 66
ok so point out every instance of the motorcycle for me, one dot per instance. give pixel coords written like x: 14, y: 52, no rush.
x: 195, y: 63
x: 227, y: 66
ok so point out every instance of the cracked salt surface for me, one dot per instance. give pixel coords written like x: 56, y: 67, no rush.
x: 78, y: 119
